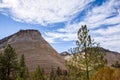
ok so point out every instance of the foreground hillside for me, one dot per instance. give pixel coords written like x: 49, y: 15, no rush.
x: 36, y: 50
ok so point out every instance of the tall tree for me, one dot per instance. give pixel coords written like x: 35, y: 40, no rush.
x: 2, y: 68
x: 58, y: 71
x: 23, y: 71
x: 8, y: 63
x: 52, y: 74
x: 87, y: 56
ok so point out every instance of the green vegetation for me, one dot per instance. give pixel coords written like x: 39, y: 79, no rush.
x: 87, y: 63
x: 52, y: 74
x: 23, y: 73
x: 13, y: 69
x: 116, y: 65
x: 38, y: 74
x: 8, y: 64
x: 87, y: 58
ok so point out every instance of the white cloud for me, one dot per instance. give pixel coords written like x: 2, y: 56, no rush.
x: 99, y: 15
x: 110, y: 42
x: 49, y: 39
x: 107, y: 14
x: 43, y: 11
x: 61, y: 36
x: 109, y: 38
x: 47, y: 12
x: 113, y: 30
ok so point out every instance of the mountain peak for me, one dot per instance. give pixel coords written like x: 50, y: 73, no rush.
x: 29, y: 31
x: 36, y: 49
x: 29, y: 35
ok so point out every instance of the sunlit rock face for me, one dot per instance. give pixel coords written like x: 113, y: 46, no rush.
x: 110, y: 56
x: 36, y: 49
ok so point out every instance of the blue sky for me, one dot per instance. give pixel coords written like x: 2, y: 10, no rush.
x: 59, y: 20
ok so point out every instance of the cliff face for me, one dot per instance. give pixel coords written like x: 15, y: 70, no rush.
x: 37, y: 51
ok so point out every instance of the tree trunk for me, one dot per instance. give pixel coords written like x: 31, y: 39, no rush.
x: 86, y: 62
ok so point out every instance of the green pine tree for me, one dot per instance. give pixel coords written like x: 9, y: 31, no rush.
x: 59, y: 71
x: 38, y: 74
x: 87, y: 56
x: 23, y: 71
x: 52, y: 74
x: 8, y: 64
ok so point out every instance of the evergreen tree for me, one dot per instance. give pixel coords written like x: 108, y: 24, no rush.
x: 116, y: 65
x: 2, y: 68
x: 8, y: 63
x: 52, y: 74
x: 23, y: 71
x: 58, y: 71
x: 38, y: 74
x: 87, y: 56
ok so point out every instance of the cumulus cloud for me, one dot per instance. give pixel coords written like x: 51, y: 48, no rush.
x: 43, y: 12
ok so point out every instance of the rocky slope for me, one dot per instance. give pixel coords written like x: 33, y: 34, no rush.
x: 111, y: 56
x: 37, y: 51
